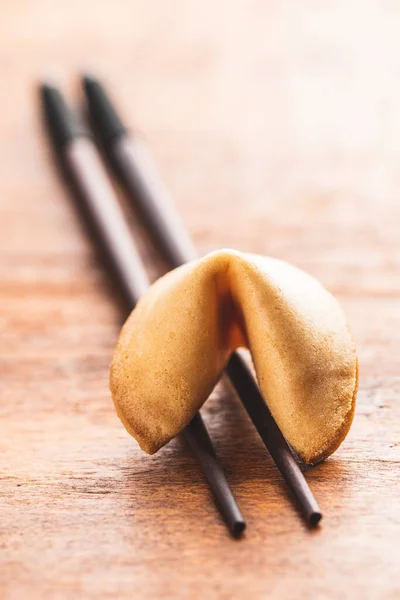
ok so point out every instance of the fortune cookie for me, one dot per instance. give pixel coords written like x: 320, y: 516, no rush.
x: 175, y: 344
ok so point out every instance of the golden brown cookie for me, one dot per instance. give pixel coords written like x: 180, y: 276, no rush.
x: 176, y: 343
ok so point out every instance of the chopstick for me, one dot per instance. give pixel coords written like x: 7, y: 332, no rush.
x: 99, y: 208
x: 128, y: 156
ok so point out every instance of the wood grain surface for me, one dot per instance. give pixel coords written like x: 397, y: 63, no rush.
x: 276, y: 126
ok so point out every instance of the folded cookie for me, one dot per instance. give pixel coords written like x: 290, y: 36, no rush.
x: 175, y: 344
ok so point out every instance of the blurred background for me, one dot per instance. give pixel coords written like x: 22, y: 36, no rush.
x: 268, y: 111
x: 276, y: 127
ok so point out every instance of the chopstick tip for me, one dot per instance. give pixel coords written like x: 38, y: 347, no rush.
x: 314, y: 518
x: 238, y: 528
x: 88, y: 81
x: 46, y: 86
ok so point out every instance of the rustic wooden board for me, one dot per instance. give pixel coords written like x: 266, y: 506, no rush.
x: 276, y: 126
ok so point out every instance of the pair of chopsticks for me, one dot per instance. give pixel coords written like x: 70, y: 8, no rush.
x: 97, y: 203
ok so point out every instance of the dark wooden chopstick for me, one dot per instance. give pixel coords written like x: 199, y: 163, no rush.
x: 99, y: 208
x: 128, y: 157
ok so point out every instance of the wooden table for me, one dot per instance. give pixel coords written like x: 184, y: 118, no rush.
x: 276, y: 125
